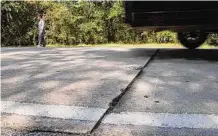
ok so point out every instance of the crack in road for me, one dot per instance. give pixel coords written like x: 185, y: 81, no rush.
x: 116, y: 100
x: 111, y: 106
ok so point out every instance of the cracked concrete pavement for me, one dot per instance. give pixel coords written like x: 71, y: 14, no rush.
x: 177, y: 82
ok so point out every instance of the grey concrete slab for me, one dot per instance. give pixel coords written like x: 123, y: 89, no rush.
x: 127, y: 130
x: 87, y: 77
x: 82, y: 77
x: 177, y: 81
x: 130, y: 130
x: 13, y: 132
x: 35, y: 124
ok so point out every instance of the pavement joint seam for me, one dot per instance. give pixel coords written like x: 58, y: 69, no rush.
x: 112, y: 104
x: 55, y: 131
x: 116, y: 100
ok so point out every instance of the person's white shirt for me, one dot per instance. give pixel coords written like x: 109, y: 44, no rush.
x: 41, y: 25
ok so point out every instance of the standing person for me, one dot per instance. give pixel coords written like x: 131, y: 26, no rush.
x: 41, y: 31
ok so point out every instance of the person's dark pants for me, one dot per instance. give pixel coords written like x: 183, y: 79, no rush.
x: 41, y: 39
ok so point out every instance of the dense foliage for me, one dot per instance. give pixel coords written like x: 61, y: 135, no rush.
x: 17, y: 23
x: 74, y: 22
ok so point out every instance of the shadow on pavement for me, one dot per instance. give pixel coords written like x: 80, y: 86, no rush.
x: 197, y: 54
x: 80, y: 76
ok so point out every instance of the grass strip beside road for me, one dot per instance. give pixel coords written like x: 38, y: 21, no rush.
x: 115, y: 45
x: 152, y: 45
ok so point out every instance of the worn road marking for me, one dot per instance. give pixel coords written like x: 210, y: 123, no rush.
x: 93, y: 114
x: 52, y: 111
x: 164, y: 119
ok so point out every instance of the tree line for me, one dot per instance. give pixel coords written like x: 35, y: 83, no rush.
x: 73, y: 23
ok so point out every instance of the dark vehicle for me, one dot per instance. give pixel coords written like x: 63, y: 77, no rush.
x: 192, y: 20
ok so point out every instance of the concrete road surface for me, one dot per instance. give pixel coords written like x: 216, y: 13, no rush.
x: 62, y: 91
x: 75, y: 86
x: 177, y: 94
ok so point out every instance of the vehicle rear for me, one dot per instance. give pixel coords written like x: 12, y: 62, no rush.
x: 192, y: 20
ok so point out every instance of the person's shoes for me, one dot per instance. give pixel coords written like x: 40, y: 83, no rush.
x: 39, y: 46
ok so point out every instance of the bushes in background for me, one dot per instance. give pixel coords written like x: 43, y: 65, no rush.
x: 17, y: 21
x: 75, y: 22
x: 213, y: 39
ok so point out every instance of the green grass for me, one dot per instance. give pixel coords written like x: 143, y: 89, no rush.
x: 152, y: 45
x: 206, y: 46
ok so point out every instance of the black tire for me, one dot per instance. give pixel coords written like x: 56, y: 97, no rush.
x: 199, y: 38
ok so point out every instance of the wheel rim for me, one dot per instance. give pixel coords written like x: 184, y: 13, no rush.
x: 192, y: 37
